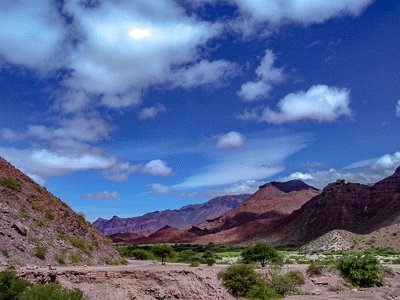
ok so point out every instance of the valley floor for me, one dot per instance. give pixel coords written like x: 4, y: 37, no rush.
x: 150, y: 280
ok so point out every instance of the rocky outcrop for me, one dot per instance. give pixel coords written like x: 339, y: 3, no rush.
x: 179, y: 218
x: 36, y: 227
x: 349, y: 206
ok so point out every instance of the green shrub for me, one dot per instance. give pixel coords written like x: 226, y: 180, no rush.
x: 287, y: 284
x: 52, y: 291
x: 75, y: 258
x: 239, y: 279
x: 210, y: 261
x: 11, y: 286
x: 361, y: 270
x: 11, y: 183
x: 315, y: 269
x: 262, y: 253
x: 40, y: 252
x: 4, y: 251
x: 194, y: 263
x: 140, y: 254
x: 262, y: 292
x: 60, y: 257
x: 81, y: 244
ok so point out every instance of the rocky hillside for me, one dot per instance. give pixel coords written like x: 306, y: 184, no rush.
x: 353, y: 207
x: 248, y: 220
x: 38, y: 228
x: 179, y: 218
x: 272, y: 201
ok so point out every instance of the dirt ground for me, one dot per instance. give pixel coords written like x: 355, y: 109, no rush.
x: 147, y: 280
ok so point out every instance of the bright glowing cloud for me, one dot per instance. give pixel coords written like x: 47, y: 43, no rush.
x: 139, y: 33
x: 231, y: 140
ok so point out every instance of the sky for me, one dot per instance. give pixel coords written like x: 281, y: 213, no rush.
x: 124, y: 107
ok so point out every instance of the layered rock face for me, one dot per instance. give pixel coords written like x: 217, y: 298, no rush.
x: 38, y: 228
x: 179, y: 218
x: 350, y: 206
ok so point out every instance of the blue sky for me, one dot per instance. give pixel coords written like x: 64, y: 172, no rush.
x: 125, y: 107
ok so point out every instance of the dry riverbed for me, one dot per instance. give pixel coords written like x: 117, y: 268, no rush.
x: 150, y: 280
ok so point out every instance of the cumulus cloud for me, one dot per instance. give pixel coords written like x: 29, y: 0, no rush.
x: 280, y: 12
x: 102, y: 196
x: 156, y: 167
x: 320, y: 103
x: 366, y: 171
x: 267, y: 76
x: 160, y: 189
x: 230, y: 140
x: 32, y: 33
x: 263, y: 158
x: 398, y: 109
x: 151, y: 112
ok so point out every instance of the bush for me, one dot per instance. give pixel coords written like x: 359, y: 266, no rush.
x: 11, y: 286
x: 11, y: 183
x: 361, y: 270
x: 262, y: 253
x: 210, y: 261
x: 75, y: 258
x: 40, y: 252
x: 60, y: 257
x: 140, y: 254
x: 52, y: 291
x: 239, y: 279
x: 81, y: 244
x: 315, y: 269
x: 263, y: 292
x: 194, y: 263
x: 287, y: 284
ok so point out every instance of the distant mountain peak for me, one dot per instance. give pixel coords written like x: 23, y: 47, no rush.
x: 289, y: 186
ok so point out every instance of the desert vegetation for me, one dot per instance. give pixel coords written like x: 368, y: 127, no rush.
x: 14, y: 288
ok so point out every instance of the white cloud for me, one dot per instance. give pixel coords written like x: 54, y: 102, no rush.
x: 160, y: 189
x: 151, y: 112
x: 320, y: 103
x: 398, y: 109
x: 267, y: 76
x: 110, y: 62
x: 156, y: 167
x: 44, y: 163
x: 230, y: 140
x: 299, y: 11
x: 31, y: 34
x: 366, y: 172
x: 262, y: 158
x: 102, y: 196
x: 204, y: 73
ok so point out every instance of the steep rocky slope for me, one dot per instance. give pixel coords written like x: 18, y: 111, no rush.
x: 354, y: 207
x: 38, y: 228
x: 179, y: 218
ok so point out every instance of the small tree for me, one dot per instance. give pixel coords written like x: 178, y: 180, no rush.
x: 11, y: 286
x: 162, y: 251
x: 239, y: 279
x: 262, y: 253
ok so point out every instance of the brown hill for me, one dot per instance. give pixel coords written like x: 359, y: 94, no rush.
x: 168, y: 234
x: 354, y: 207
x: 269, y: 203
x: 179, y: 218
x: 247, y: 221
x: 38, y: 228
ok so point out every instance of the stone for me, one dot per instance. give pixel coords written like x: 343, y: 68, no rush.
x: 21, y: 229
